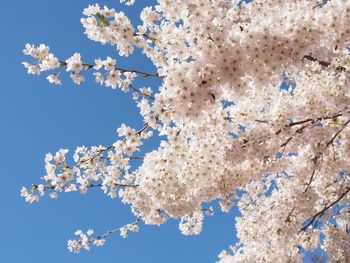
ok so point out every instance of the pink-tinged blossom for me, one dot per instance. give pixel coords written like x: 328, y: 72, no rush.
x: 253, y: 112
x: 74, y: 63
x: 54, y: 79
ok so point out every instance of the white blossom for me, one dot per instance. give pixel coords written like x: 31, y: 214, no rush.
x: 54, y: 79
x: 252, y: 110
x: 74, y: 63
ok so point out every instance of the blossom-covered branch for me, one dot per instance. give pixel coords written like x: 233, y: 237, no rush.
x: 85, y: 240
x: 91, y: 167
x: 326, y: 207
x: 252, y: 110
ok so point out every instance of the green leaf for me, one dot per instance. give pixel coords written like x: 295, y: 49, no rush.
x: 102, y: 20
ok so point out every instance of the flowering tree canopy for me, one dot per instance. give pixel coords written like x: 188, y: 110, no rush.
x: 254, y: 109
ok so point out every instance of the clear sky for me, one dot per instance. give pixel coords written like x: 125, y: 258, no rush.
x: 37, y: 117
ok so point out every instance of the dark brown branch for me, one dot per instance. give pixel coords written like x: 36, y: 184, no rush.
x: 320, y: 213
x: 135, y: 158
x: 94, y: 156
x: 323, y: 3
x: 51, y: 187
x: 283, y: 145
x: 322, y: 63
x: 262, y: 121
x: 116, y: 184
x: 122, y: 70
x: 145, y: 126
x: 109, y: 232
x: 289, y: 215
x: 311, y: 58
x: 312, y: 175
x: 300, y: 130
x: 314, y: 120
x: 137, y: 133
x: 337, y: 133
x: 295, y: 123
x: 315, y: 159
x: 147, y: 36
x: 139, y: 92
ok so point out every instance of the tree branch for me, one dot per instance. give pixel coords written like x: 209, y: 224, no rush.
x: 322, y: 63
x: 315, y: 159
x: 320, y: 213
x: 311, y: 58
x: 137, y: 133
x: 122, y: 70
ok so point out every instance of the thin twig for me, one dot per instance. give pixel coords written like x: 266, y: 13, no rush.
x: 122, y: 70
x: 315, y: 159
x: 322, y: 63
x: 314, y: 217
x: 137, y: 133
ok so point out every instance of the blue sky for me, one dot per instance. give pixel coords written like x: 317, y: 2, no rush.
x: 37, y: 117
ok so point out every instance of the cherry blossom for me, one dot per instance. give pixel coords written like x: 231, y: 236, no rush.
x: 253, y: 110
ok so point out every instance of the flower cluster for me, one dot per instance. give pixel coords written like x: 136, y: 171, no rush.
x: 43, y: 61
x: 118, y: 31
x: 253, y: 109
x: 84, y: 240
x: 99, y: 167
